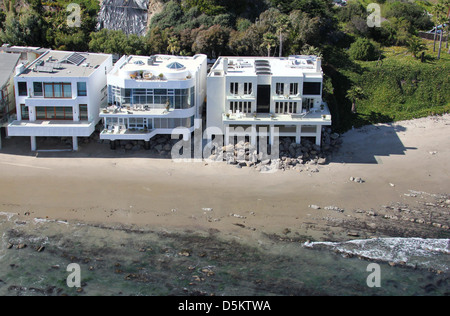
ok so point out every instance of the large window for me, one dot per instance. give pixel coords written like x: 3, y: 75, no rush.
x: 38, y: 90
x: 178, y: 98
x: 234, y: 88
x: 280, y: 88
x: 84, y: 112
x: 294, y: 88
x: 312, y: 88
x: 25, y: 112
x: 248, y: 88
x: 242, y: 107
x: 286, y: 107
x: 81, y: 89
x: 22, y: 88
x: 54, y: 113
x: 58, y: 90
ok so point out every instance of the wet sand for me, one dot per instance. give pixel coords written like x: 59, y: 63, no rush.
x: 98, y: 185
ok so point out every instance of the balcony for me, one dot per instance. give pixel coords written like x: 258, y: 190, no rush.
x: 321, y: 117
x: 145, y: 110
x: 51, y: 128
x: 281, y: 98
x: 136, y: 110
x: 238, y: 97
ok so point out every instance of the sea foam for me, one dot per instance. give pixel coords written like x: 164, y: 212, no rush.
x: 414, y: 252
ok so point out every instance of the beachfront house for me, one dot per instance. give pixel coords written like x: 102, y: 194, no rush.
x: 153, y: 95
x: 256, y: 96
x: 60, y: 95
x: 8, y: 63
x: 10, y: 58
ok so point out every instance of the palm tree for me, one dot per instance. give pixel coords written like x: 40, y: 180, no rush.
x: 269, y: 40
x: 415, y: 46
x: 282, y: 24
x: 440, y: 17
x: 173, y: 45
x: 311, y: 50
x: 355, y: 93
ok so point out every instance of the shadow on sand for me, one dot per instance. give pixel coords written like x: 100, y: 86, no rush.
x: 366, y: 145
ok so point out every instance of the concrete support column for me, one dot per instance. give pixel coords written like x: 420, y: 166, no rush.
x: 33, y: 143
x: 298, y: 134
x: 254, y: 136
x: 272, y: 134
x: 227, y: 135
x: 318, y: 135
x: 75, y: 143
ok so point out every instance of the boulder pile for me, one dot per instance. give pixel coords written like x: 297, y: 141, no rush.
x: 304, y: 156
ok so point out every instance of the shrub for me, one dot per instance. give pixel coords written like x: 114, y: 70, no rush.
x: 363, y: 49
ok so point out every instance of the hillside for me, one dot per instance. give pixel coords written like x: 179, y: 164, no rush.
x: 395, y: 84
x: 398, y: 87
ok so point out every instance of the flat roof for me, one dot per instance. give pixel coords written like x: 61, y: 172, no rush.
x: 8, y: 64
x: 22, y: 49
x: 160, y: 64
x: 292, y: 66
x: 65, y: 64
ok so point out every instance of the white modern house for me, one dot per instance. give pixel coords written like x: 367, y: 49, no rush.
x: 60, y: 95
x: 258, y: 96
x: 153, y: 95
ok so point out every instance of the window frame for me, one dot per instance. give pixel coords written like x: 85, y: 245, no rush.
x: 62, y: 91
x: 48, y: 110
x: 80, y: 91
x: 81, y: 112
x: 21, y: 92
x: 25, y: 109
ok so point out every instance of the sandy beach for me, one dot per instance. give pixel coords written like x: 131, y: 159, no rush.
x: 98, y: 185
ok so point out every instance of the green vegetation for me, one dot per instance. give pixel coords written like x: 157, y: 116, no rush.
x: 399, y: 75
x: 363, y: 49
x: 399, y: 87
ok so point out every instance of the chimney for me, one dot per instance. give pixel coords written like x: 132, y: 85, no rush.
x: 225, y: 65
x: 319, y: 64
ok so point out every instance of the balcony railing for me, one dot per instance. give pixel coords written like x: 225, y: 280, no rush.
x: 316, y: 115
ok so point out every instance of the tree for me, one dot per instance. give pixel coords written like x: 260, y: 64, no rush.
x: 440, y: 17
x: 355, y: 93
x: 304, y: 30
x: 26, y: 28
x: 156, y: 40
x: 416, y: 45
x: 311, y: 50
x: 173, y: 45
x: 282, y: 24
x: 269, y: 41
x: 363, y: 49
x: 211, y: 41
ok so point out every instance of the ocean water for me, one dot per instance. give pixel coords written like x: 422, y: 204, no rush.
x: 136, y: 261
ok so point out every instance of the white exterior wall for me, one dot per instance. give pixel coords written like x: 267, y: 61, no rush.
x: 297, y: 125
x: 216, y: 99
x: 97, y: 90
x: 95, y: 82
x: 197, y: 80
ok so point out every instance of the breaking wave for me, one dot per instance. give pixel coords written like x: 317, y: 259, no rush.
x: 431, y: 254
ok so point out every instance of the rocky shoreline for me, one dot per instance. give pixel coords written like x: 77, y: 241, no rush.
x: 305, y: 156
x: 422, y: 215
